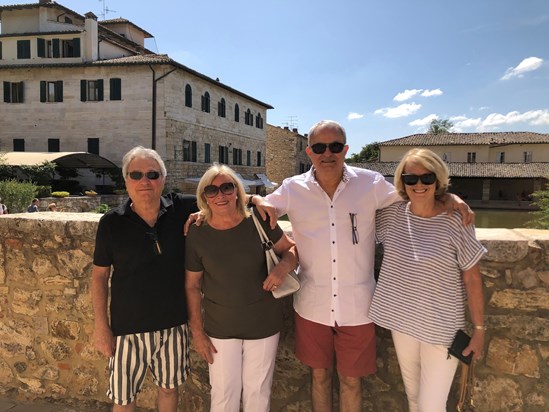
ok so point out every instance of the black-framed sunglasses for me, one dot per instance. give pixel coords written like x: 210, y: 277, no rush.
x: 335, y: 147
x: 225, y: 188
x: 411, y: 179
x: 151, y: 175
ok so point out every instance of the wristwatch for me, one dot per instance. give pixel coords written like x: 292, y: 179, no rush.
x: 250, y: 201
x: 480, y: 327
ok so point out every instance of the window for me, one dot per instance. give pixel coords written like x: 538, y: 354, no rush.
x: 188, y: 96
x: 0, y: 50
x: 248, y: 118
x: 207, y: 153
x: 66, y: 48
x: 527, y: 157
x: 13, y: 92
x: 115, y: 85
x: 18, y: 145
x: 471, y: 157
x: 248, y: 158
x: 221, y: 108
x: 206, y: 102
x: 93, y: 145
x: 223, y: 154
x: 91, y: 90
x: 259, y: 121
x: 23, y: 49
x: 447, y: 157
x: 44, y: 48
x: 53, y: 145
x: 500, y: 157
x: 189, y: 151
x: 236, y: 113
x: 237, y: 156
x: 51, y: 91
x: 258, y: 158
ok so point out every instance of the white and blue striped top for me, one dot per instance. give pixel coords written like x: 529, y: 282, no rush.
x: 420, y: 291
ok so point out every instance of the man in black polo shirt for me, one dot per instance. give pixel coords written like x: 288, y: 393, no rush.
x: 143, y: 242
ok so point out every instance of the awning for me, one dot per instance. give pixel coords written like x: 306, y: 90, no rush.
x: 261, y: 181
x: 78, y: 160
x: 266, y: 182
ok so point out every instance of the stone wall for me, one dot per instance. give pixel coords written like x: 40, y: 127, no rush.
x: 46, y: 325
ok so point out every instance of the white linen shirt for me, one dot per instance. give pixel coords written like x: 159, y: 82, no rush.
x: 336, y: 276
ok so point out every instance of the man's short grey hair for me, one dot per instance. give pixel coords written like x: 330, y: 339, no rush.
x: 142, y: 153
x: 327, y: 124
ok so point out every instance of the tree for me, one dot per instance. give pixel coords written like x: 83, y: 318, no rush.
x: 369, y: 153
x: 540, y: 217
x: 440, y: 126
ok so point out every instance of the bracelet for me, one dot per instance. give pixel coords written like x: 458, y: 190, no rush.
x: 480, y: 327
x: 250, y: 201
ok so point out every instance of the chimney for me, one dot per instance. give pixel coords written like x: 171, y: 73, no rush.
x: 91, y: 45
x: 44, y: 1
x: 294, y: 130
x: 286, y: 128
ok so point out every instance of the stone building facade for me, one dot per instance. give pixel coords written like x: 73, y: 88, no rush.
x: 286, y: 155
x: 46, y: 326
x: 71, y: 83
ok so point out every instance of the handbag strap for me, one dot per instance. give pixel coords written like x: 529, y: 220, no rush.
x: 265, y: 241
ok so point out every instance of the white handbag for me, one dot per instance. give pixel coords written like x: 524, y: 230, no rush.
x: 291, y: 283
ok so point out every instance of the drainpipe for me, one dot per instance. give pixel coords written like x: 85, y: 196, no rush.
x: 154, y: 79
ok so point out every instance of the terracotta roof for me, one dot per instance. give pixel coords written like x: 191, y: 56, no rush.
x: 483, y: 170
x: 121, y: 20
x: 450, y: 139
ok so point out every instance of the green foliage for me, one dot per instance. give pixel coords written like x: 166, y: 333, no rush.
x: 17, y: 196
x: 43, y: 191
x: 41, y: 174
x: 102, y: 208
x: 369, y: 153
x: 66, y: 172
x: 115, y: 173
x: 540, y: 218
x: 60, y: 194
x: 440, y: 126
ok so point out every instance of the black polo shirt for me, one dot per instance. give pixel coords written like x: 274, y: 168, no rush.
x: 147, y: 287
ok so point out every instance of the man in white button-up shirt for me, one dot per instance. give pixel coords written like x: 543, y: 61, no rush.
x: 332, y: 210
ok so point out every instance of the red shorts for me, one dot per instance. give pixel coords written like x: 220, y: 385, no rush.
x: 354, y: 347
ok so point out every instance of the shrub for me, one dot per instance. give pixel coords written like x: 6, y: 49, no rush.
x: 16, y: 195
x: 120, y: 191
x: 102, y: 208
x: 90, y: 193
x: 60, y: 194
x: 43, y: 191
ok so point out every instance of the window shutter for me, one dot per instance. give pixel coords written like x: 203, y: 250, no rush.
x: 55, y: 47
x: 43, y: 87
x: 41, y: 45
x: 116, y: 89
x: 83, y: 91
x: 193, y: 151
x: 100, y: 90
x: 76, y: 47
x: 202, y: 102
x: 21, y: 89
x: 59, y: 90
x: 7, y: 94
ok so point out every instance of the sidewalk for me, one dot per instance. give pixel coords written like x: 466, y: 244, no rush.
x: 10, y: 405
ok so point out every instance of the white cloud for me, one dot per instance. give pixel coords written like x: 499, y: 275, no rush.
x: 462, y: 122
x: 354, y: 116
x: 495, y: 121
x: 403, y: 110
x: 425, y: 121
x: 527, y: 65
x: 406, y: 95
x: 429, y: 93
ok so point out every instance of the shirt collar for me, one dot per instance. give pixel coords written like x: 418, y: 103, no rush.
x: 125, y: 208
x: 348, y: 173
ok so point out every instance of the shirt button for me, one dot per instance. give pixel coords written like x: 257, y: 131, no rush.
x: 335, y: 296
x: 334, y: 278
x: 332, y: 310
x: 333, y: 242
x: 334, y: 260
x: 333, y: 224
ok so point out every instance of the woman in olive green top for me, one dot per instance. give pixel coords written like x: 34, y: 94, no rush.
x: 234, y: 319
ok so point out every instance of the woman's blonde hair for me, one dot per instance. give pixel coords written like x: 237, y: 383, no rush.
x: 208, y: 177
x: 430, y: 161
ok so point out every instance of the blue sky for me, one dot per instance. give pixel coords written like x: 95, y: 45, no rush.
x: 382, y: 68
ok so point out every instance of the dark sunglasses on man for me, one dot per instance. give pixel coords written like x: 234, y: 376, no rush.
x: 411, y: 179
x: 151, y: 175
x: 335, y: 147
x: 225, y: 188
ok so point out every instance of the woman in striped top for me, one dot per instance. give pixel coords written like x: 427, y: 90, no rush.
x: 430, y: 273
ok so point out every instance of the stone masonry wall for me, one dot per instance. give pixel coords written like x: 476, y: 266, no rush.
x: 46, y: 325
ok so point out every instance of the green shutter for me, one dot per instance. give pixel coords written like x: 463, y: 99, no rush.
x: 43, y: 91
x: 83, y: 92
x: 100, y: 90
x: 59, y: 90
x: 116, y: 89
x: 55, y: 45
x: 41, y: 44
x: 7, y: 94
x: 21, y: 90
x: 76, y: 46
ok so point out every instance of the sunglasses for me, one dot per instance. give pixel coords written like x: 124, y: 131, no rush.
x: 335, y: 147
x: 426, y: 179
x: 151, y: 175
x: 213, y: 190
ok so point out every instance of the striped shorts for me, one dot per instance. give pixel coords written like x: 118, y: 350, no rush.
x: 165, y: 353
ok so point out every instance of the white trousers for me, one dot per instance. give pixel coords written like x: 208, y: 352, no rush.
x: 426, y: 371
x: 242, y: 367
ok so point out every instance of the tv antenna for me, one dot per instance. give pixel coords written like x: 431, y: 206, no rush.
x: 291, y: 123
x: 106, y: 10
